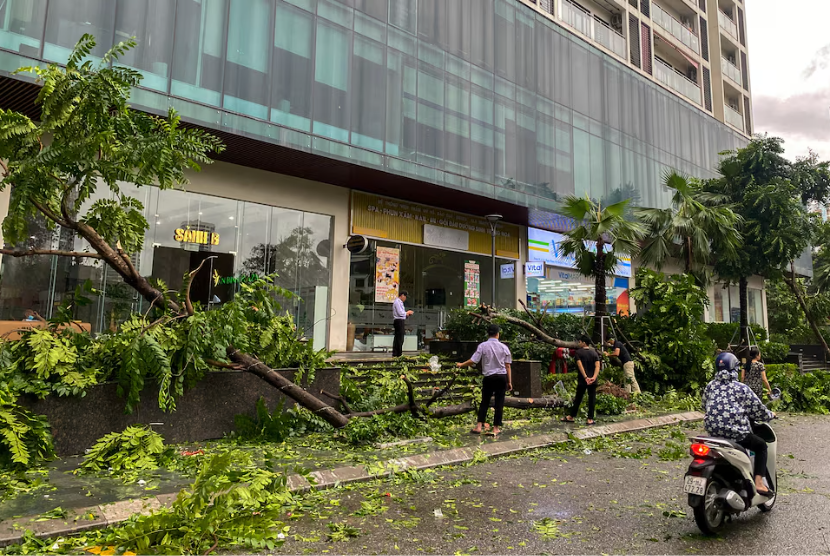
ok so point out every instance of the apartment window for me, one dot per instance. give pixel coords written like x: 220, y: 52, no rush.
x: 744, y: 71
x: 634, y: 39
x: 741, y: 30
x: 292, y: 67
x: 152, y: 24
x: 331, y: 83
x: 197, y: 52
x: 368, y: 93
x: 21, y: 26
x: 747, y: 117
x: 68, y: 20
x: 246, y: 67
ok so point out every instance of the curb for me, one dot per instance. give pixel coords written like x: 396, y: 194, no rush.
x: 106, y: 515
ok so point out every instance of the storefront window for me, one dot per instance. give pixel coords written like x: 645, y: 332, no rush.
x: 720, y: 305
x: 563, y: 290
x: 236, y: 240
x: 436, y: 282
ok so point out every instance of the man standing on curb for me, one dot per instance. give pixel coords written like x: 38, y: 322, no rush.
x: 495, y: 361
x: 399, y: 315
x: 617, y: 349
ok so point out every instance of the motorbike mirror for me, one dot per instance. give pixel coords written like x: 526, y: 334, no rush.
x: 775, y: 394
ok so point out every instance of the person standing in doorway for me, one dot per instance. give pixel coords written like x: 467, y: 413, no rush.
x: 495, y: 361
x: 587, y: 364
x: 399, y: 316
x: 617, y: 349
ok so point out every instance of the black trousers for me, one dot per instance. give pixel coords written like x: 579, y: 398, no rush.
x: 397, y: 343
x: 492, y: 385
x: 756, y: 444
x: 581, y: 387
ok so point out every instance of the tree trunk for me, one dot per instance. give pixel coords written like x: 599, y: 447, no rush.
x: 744, y: 318
x: 600, y: 294
x: 794, y: 287
x: 296, y: 393
x: 688, y: 255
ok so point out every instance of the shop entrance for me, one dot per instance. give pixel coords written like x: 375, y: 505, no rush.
x: 170, y: 264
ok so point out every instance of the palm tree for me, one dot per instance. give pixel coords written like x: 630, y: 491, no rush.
x: 601, y: 234
x: 696, y: 222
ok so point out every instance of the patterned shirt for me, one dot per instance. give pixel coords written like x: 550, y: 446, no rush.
x: 729, y: 405
x: 752, y: 377
x: 494, y: 356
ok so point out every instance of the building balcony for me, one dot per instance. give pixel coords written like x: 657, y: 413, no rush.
x: 676, y: 81
x: 593, y: 27
x: 728, y: 25
x: 733, y: 117
x: 675, y: 28
x: 731, y: 71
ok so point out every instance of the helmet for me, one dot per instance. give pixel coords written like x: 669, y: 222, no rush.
x: 727, y: 362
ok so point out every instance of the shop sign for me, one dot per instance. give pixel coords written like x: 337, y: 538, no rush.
x: 508, y: 271
x: 387, y: 274
x: 547, y: 246
x: 226, y: 280
x: 199, y: 237
x: 357, y: 244
x: 535, y: 269
x: 394, y: 220
x: 472, y: 284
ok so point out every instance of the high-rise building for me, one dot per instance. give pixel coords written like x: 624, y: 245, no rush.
x: 399, y: 124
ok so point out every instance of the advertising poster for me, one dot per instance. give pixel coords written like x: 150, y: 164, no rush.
x: 387, y: 274
x: 472, y: 284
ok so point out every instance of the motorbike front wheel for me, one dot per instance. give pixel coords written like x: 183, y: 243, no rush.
x: 710, y: 515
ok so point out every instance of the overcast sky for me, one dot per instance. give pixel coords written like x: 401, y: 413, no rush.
x: 789, y: 49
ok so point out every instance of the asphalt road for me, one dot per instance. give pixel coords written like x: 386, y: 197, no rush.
x: 615, y: 499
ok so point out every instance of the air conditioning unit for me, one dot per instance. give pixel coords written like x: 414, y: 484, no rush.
x: 616, y: 21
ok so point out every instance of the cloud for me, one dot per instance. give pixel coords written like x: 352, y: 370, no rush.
x: 804, y: 116
x: 820, y: 61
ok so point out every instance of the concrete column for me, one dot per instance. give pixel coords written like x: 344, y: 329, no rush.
x: 521, y: 280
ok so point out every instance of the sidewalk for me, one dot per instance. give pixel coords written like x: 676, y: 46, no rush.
x: 104, y: 515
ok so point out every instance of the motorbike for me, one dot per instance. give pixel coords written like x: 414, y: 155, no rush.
x: 720, y: 480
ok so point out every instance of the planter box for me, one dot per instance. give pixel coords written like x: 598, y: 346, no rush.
x: 204, y: 412
x: 459, y: 351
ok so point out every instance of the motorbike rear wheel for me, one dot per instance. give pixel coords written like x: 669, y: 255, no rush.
x: 767, y: 506
x: 710, y: 514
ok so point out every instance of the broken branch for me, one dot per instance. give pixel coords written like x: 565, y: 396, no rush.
x: 58, y: 252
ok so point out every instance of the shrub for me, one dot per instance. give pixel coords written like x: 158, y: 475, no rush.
x: 278, y: 425
x: 807, y: 392
x: 25, y: 440
x: 676, y: 352
x: 774, y: 352
x: 610, y: 405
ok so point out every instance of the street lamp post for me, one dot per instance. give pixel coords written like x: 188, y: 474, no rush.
x: 493, y: 219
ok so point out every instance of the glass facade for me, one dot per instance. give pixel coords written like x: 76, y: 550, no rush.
x: 563, y: 290
x: 484, y: 96
x: 435, y: 282
x: 242, y: 240
x: 726, y: 305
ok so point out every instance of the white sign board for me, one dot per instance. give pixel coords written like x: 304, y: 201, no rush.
x: 546, y: 246
x: 508, y: 271
x: 535, y: 269
x: 438, y: 236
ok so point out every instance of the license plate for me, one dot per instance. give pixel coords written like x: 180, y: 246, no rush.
x: 695, y: 485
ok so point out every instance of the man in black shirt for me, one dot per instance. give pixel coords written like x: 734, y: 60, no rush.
x: 617, y: 349
x: 587, y: 364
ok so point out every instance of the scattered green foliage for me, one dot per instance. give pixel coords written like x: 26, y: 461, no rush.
x: 801, y: 392
x: 25, y: 440
x: 137, y: 448
x: 610, y: 405
x: 278, y: 425
x: 339, y: 532
x: 547, y: 528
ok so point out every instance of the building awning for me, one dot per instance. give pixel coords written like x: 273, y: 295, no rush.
x: 680, y: 51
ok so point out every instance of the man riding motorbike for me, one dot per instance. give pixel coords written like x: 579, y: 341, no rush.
x: 730, y: 406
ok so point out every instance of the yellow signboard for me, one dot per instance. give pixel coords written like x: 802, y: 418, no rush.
x: 394, y: 220
x: 196, y: 236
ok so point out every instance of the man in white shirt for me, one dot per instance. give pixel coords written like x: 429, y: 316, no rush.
x: 495, y: 361
x: 399, y: 315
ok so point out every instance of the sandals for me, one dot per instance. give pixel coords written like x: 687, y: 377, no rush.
x: 473, y: 431
x: 567, y: 419
x: 591, y: 423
